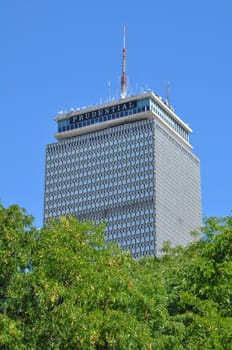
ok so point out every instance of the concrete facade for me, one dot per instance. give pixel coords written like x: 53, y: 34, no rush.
x: 130, y: 164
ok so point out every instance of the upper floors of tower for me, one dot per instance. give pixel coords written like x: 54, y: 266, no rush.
x: 143, y: 106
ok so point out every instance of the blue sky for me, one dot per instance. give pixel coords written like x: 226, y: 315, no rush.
x: 61, y: 54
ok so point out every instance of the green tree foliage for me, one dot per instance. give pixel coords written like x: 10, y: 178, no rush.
x: 199, y: 287
x: 63, y: 287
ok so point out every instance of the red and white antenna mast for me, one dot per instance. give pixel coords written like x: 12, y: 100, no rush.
x: 124, y: 77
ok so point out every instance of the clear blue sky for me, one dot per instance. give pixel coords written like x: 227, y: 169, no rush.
x: 59, y: 54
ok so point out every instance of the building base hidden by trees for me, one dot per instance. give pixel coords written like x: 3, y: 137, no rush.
x: 64, y: 287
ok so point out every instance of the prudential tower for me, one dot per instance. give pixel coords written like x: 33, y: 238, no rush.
x: 130, y: 163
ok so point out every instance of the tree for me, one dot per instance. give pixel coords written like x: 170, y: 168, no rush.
x: 199, y: 285
x: 70, y: 290
x: 64, y: 287
x: 16, y: 238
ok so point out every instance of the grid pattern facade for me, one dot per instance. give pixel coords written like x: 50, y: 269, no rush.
x: 140, y: 177
x: 107, y: 175
x: 178, y: 196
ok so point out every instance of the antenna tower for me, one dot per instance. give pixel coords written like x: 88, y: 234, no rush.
x: 124, y: 77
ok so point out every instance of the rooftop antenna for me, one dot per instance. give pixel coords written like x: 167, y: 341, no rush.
x: 124, y: 77
x: 109, y: 91
x: 167, y: 92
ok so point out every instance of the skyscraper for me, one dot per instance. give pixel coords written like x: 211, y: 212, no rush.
x: 127, y: 162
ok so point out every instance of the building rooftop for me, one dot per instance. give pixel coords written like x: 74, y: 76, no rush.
x: 126, y: 110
